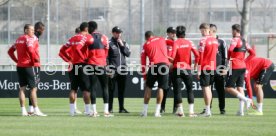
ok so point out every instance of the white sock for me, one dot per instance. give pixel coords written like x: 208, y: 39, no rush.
x: 241, y: 106
x: 248, y: 104
x: 87, y: 108
x: 23, y: 109
x: 208, y: 109
x: 75, y: 105
x: 260, y: 107
x: 36, y: 109
x: 145, y: 108
x: 191, y: 108
x: 158, y: 107
x: 242, y: 97
x: 106, y: 108
x: 72, y: 109
x: 94, y: 108
x: 31, y: 108
x: 180, y: 109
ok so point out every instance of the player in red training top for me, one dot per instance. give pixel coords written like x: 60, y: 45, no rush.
x: 39, y: 29
x: 97, y: 54
x: 169, y: 41
x: 27, y: 59
x: 155, y: 49
x: 64, y: 57
x: 71, y: 52
x: 182, y: 70
x: 259, y: 69
x: 235, y: 76
x: 208, y: 48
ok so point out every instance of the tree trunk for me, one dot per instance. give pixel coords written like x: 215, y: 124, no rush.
x: 245, y: 14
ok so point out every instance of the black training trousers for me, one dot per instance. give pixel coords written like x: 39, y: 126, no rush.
x: 119, y: 81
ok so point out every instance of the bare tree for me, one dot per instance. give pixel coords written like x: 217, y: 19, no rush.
x: 191, y: 11
x: 245, y: 16
x: 3, y: 2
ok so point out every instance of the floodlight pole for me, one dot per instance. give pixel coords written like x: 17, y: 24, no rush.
x: 33, y: 14
x: 48, y: 31
x: 82, y: 5
x: 57, y: 21
x: 151, y: 15
x: 9, y: 21
x: 210, y: 12
x: 142, y: 18
x: 129, y: 22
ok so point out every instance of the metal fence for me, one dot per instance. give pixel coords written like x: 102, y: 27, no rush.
x: 264, y: 47
x: 61, y: 17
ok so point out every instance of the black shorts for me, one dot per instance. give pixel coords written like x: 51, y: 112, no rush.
x: 185, y: 75
x: 98, y: 74
x: 207, y: 78
x: 28, y: 76
x: 265, y: 75
x: 235, y: 78
x: 170, y: 77
x: 159, y: 73
x: 78, y: 78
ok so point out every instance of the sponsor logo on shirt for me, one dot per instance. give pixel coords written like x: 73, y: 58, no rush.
x: 183, y: 46
x: 20, y: 42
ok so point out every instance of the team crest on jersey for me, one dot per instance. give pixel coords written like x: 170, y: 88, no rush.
x: 273, y: 84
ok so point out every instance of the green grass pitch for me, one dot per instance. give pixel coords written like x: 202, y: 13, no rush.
x: 59, y: 123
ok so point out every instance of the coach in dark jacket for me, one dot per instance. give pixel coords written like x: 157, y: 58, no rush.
x: 219, y: 79
x: 118, y: 51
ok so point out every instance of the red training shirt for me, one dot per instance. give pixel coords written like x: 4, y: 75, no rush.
x: 169, y: 43
x: 208, y: 48
x: 27, y: 48
x: 71, y: 51
x: 155, y: 49
x: 97, y: 51
x: 236, y: 53
x: 254, y: 66
x: 181, y: 53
